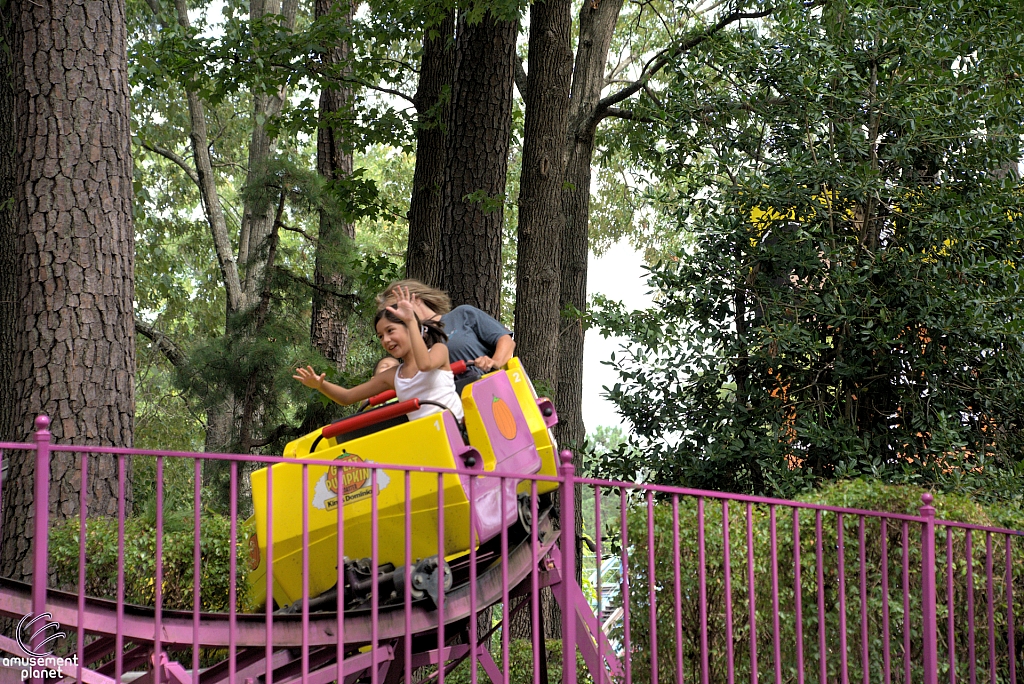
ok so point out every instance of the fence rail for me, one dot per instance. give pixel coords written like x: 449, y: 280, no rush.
x: 699, y: 586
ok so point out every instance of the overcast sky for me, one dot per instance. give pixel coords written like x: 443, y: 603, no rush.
x: 618, y: 275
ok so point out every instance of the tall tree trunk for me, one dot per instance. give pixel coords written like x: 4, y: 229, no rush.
x: 75, y: 335
x: 477, y: 162
x: 329, y: 325
x: 422, y: 259
x: 597, y: 22
x: 541, y: 220
x: 8, y: 226
x: 258, y: 213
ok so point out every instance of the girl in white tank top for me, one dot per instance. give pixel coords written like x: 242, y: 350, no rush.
x: 424, y: 373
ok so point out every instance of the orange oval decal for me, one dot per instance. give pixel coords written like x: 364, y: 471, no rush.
x: 503, y: 418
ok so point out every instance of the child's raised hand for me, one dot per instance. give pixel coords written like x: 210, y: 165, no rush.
x: 308, y: 377
x: 405, y: 305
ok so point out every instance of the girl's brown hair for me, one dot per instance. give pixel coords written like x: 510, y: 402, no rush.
x: 432, y: 331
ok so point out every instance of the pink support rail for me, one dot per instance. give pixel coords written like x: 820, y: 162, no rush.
x: 673, y: 584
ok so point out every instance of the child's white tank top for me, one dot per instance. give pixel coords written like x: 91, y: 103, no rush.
x: 435, y: 385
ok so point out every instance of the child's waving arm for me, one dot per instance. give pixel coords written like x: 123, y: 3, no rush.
x: 384, y: 380
x: 426, y: 359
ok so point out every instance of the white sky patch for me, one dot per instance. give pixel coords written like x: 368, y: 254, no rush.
x: 618, y: 274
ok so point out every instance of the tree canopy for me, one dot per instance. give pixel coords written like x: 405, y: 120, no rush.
x: 851, y: 301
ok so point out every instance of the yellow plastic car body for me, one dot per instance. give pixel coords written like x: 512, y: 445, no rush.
x: 508, y: 429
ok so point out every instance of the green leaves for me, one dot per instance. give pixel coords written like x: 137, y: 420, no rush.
x: 848, y: 302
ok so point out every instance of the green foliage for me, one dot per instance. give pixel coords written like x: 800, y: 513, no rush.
x: 861, y: 494
x: 851, y: 302
x: 101, y: 567
x: 520, y: 659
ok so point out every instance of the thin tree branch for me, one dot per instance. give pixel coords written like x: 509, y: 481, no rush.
x: 654, y: 97
x: 624, y: 63
x: 177, y: 159
x: 277, y: 433
x: 349, y: 298
x: 627, y: 114
x: 380, y: 89
x: 162, y: 343
x: 520, y: 78
x: 292, y: 229
x: 659, y: 61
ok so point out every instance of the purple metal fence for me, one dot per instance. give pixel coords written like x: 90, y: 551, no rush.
x: 709, y: 587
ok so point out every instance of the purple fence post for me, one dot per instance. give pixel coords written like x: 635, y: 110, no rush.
x: 929, y: 625
x: 567, y: 515
x: 42, y: 521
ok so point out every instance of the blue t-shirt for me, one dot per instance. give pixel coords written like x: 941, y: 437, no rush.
x: 471, y: 333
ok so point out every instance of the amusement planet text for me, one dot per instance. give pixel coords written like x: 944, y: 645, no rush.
x: 46, y: 667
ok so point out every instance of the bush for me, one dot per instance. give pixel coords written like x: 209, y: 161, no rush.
x: 520, y: 659
x: 858, y: 494
x: 140, y: 561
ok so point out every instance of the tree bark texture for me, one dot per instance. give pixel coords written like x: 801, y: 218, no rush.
x: 597, y: 22
x: 243, y: 274
x: 8, y: 226
x: 329, y: 324
x: 75, y: 335
x: 422, y: 259
x: 541, y: 221
x: 477, y: 163
x: 258, y: 213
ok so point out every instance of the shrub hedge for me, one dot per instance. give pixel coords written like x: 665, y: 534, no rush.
x: 860, y: 494
x: 140, y: 561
